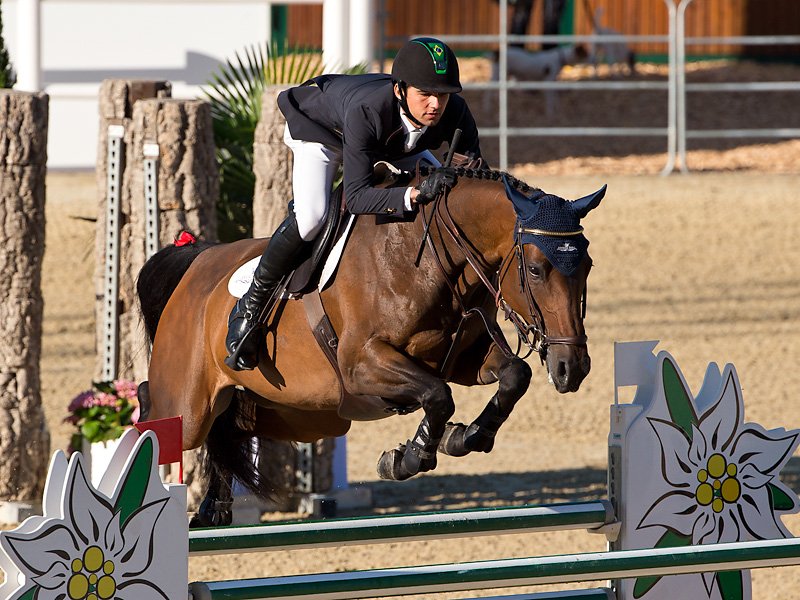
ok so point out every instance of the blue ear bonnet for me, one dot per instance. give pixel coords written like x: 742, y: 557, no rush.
x: 552, y: 224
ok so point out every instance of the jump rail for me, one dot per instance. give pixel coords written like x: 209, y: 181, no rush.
x: 569, y: 568
x: 381, y: 530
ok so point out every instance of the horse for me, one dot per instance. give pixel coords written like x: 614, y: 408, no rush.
x: 410, y: 320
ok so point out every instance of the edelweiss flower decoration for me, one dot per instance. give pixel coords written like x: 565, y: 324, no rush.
x: 721, y: 475
x: 89, y: 546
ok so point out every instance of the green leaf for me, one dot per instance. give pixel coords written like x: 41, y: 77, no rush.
x: 91, y: 431
x: 134, y: 486
x: 730, y: 584
x: 670, y: 539
x: 30, y: 594
x: 778, y: 498
x: 679, y: 400
x: 105, y: 386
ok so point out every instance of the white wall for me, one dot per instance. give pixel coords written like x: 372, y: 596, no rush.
x: 83, y: 43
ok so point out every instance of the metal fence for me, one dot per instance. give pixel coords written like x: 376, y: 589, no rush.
x: 675, y: 130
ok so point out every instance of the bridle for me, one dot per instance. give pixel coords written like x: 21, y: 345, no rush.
x: 532, y: 335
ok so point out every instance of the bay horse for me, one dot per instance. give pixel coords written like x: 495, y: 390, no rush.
x: 406, y: 328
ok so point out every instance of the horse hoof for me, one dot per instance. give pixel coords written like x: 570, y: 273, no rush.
x: 390, y: 465
x: 452, y: 443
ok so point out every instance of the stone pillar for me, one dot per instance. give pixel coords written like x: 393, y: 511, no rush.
x: 116, y: 101
x: 187, y: 188
x: 24, y: 439
x: 272, y: 165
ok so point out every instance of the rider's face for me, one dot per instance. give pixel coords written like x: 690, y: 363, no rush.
x: 425, y: 107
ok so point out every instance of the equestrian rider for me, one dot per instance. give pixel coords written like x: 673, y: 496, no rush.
x: 355, y: 121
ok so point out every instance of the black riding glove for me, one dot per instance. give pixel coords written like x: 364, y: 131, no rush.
x: 435, y: 184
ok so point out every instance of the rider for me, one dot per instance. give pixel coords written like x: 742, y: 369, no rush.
x: 355, y: 121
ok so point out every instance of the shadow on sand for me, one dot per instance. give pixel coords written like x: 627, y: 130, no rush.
x: 452, y: 492
x: 449, y: 492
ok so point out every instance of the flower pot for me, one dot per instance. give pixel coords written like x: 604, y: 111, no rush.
x: 96, y: 457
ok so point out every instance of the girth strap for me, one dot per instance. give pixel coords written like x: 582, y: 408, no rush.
x: 351, y: 406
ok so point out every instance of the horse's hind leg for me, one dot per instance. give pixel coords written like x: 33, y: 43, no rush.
x: 513, y: 376
x: 215, y: 509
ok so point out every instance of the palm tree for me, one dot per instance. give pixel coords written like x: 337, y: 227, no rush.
x: 235, y: 96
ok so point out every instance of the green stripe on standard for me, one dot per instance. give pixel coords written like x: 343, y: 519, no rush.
x: 382, y: 529
x: 513, y: 572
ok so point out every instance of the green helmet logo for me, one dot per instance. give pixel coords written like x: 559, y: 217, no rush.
x: 438, y: 55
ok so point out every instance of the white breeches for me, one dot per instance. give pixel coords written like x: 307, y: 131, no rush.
x: 315, y: 167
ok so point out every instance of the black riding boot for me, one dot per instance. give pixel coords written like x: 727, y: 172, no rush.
x: 283, y: 254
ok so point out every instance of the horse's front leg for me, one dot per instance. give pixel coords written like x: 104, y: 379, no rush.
x: 383, y: 371
x: 513, y: 376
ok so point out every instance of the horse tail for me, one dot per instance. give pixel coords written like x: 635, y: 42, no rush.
x: 229, y: 451
x: 160, y: 276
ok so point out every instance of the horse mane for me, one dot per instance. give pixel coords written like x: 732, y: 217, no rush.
x: 488, y: 174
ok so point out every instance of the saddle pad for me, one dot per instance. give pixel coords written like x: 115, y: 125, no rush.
x: 241, y: 279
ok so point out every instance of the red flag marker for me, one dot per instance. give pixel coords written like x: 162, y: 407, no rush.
x: 170, y: 440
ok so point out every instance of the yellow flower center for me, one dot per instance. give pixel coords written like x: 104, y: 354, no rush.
x: 704, y: 494
x: 106, y: 587
x: 731, y: 490
x: 91, y: 578
x: 93, y: 559
x: 718, y: 483
x: 78, y: 586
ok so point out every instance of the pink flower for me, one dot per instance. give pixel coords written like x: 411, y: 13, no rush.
x: 125, y: 388
x: 104, y: 399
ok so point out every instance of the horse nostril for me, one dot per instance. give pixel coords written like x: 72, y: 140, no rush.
x: 586, y: 364
x: 562, y: 370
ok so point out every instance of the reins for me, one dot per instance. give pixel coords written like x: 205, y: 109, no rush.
x: 532, y: 335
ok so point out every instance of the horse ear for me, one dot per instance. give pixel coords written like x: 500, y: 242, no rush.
x: 524, y: 206
x: 582, y: 206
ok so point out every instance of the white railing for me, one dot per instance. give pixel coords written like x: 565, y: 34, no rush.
x: 675, y: 130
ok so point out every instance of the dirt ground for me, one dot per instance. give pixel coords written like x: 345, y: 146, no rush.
x: 707, y: 263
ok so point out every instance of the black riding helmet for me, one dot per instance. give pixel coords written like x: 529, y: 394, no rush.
x: 427, y: 64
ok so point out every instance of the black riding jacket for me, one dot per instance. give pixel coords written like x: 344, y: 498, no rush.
x: 360, y: 114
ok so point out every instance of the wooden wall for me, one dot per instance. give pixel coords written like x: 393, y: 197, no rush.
x: 637, y: 17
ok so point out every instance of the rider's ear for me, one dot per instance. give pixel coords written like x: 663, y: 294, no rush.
x: 396, y: 88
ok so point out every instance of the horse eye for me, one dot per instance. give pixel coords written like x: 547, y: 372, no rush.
x: 535, y: 271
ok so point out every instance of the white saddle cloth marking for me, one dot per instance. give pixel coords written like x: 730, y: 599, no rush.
x: 241, y: 279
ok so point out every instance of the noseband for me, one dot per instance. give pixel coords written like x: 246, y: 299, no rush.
x: 532, y: 335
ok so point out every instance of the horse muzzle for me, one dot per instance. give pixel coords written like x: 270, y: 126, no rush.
x: 567, y: 367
